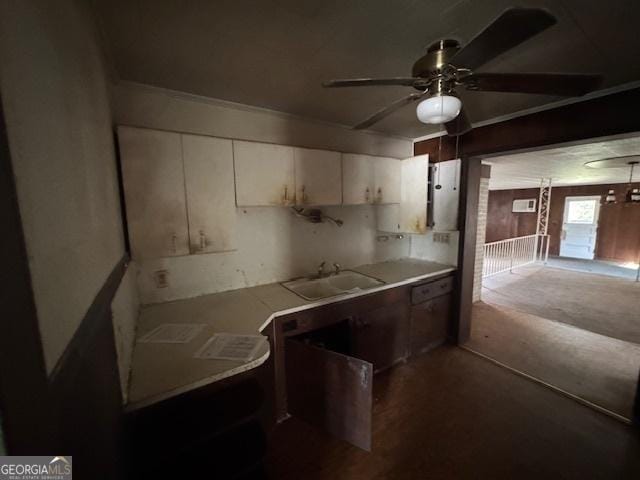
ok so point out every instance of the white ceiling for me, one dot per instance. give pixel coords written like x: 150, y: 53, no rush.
x: 564, y: 165
x: 276, y: 53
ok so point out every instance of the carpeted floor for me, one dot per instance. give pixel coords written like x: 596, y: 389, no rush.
x: 602, y: 304
x: 593, y: 367
x: 601, y: 267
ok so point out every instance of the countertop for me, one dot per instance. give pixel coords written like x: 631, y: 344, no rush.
x: 160, y: 371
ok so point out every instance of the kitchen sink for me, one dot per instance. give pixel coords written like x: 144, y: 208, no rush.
x: 336, y: 284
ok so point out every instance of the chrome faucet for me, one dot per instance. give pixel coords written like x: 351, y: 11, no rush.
x: 321, y: 270
x: 336, y: 268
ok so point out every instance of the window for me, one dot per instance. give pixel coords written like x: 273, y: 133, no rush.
x: 581, y: 211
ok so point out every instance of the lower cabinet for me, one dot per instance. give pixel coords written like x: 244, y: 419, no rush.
x: 328, y: 387
x: 430, y: 323
x: 381, y: 336
x: 326, y: 358
x: 431, y: 310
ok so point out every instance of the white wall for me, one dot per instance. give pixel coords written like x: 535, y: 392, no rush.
x: 273, y: 244
x: 125, y: 308
x: 145, y: 106
x: 425, y: 248
x: 56, y: 106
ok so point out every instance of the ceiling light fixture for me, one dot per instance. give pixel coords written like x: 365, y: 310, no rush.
x: 439, y: 109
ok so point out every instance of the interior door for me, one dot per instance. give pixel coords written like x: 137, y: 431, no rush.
x: 580, y: 227
x: 330, y: 390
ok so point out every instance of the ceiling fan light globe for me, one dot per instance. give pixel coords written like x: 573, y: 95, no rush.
x: 439, y: 109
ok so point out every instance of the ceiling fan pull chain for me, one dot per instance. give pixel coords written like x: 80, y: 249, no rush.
x: 438, y: 186
x: 455, y: 176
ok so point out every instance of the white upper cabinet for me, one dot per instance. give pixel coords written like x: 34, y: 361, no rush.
x: 357, y: 179
x: 386, y: 180
x: 446, y: 198
x: 264, y: 174
x: 154, y: 189
x: 318, y: 177
x: 179, y: 192
x: 368, y: 179
x: 410, y: 214
x: 413, y: 203
x: 211, y: 206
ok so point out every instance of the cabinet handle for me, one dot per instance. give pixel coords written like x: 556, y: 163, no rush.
x: 303, y: 194
x: 367, y: 195
x: 174, y: 242
x: 379, y: 195
x: 286, y: 194
x: 203, y: 240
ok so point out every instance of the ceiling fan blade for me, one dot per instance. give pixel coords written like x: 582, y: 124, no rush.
x: 510, y: 29
x: 569, y: 85
x: 459, y: 125
x: 368, y: 82
x: 379, y: 115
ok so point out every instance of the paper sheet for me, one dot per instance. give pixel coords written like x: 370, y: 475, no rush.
x: 172, y: 333
x: 227, y: 346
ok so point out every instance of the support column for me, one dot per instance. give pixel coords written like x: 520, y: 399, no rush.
x: 542, y: 229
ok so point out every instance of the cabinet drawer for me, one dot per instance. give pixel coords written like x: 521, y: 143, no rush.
x: 427, y: 291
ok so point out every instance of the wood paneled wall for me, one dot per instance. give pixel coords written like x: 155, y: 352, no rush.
x: 618, y: 227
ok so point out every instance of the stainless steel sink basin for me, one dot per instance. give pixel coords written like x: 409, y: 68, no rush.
x: 332, y: 285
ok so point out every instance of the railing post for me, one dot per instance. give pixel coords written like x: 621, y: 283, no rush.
x: 511, y: 259
x: 546, y: 254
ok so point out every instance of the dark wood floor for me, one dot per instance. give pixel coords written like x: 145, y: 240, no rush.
x: 451, y: 414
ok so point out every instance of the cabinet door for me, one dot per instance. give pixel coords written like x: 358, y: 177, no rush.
x: 318, y: 177
x: 211, y: 206
x: 357, y: 179
x: 430, y: 323
x: 381, y: 336
x: 413, y: 207
x: 153, y: 179
x: 410, y: 215
x: 330, y: 390
x: 446, y: 198
x: 386, y: 176
x: 264, y: 174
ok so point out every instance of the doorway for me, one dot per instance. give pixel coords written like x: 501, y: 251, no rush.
x: 573, y: 329
x: 580, y: 227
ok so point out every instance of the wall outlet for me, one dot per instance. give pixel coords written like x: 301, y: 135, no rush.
x: 161, y: 278
x: 440, y: 237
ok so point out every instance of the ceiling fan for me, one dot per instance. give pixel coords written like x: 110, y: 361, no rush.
x: 447, y: 65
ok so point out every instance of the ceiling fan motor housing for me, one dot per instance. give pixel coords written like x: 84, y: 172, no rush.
x: 435, y: 67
